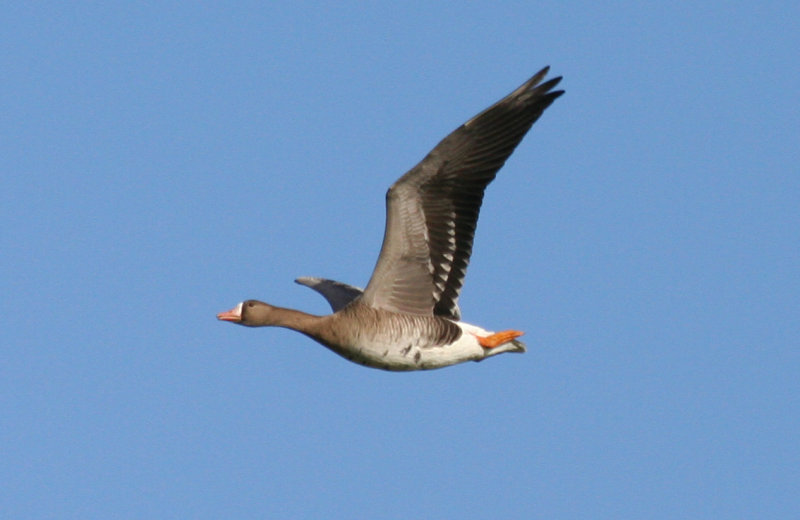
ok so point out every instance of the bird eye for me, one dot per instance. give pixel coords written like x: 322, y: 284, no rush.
x: 250, y: 304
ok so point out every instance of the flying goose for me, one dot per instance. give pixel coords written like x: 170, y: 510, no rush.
x: 407, y: 318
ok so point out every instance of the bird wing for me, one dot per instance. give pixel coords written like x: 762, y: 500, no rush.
x: 432, y: 210
x: 338, y: 294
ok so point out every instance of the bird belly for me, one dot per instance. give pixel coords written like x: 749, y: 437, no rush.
x: 417, y: 353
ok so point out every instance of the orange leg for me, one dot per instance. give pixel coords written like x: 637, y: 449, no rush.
x: 498, y: 338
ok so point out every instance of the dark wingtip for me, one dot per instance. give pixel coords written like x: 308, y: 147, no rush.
x: 549, y: 84
x: 545, y: 89
x: 534, y: 85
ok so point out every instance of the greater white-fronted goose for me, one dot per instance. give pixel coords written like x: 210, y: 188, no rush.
x: 408, y: 318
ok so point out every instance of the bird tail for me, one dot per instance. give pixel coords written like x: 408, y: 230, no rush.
x: 518, y: 346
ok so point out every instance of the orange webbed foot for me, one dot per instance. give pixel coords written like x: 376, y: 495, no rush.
x: 498, y: 338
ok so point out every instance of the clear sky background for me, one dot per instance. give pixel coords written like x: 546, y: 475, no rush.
x: 161, y: 163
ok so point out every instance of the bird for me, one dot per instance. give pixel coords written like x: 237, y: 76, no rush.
x: 407, y: 317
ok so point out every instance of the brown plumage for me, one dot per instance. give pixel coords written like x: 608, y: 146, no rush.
x: 407, y: 318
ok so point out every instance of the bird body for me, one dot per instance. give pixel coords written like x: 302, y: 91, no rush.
x: 380, y: 339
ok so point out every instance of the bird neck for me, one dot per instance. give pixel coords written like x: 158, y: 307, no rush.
x: 295, y: 320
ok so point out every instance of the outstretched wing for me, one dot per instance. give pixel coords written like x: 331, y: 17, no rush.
x: 338, y: 294
x: 432, y: 211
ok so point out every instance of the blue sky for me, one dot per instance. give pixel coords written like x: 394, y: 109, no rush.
x: 163, y: 162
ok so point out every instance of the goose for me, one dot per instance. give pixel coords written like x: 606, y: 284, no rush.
x: 407, y: 317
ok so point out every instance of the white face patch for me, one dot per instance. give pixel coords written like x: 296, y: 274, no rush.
x: 238, y: 309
